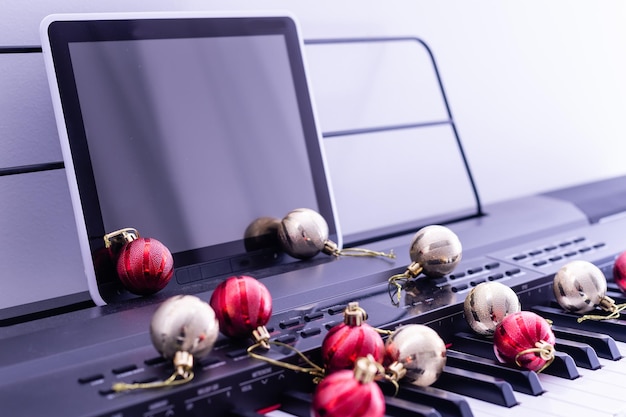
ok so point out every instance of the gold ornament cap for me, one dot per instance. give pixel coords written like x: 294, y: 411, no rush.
x: 354, y: 315
x: 365, y: 370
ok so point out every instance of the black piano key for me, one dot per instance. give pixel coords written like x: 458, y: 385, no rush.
x: 446, y: 403
x: 297, y: 403
x: 612, y: 286
x: 563, y: 365
x: 474, y: 344
x: 244, y: 413
x: 603, y: 344
x: 475, y: 385
x: 616, y: 295
x: 614, y: 328
x: 582, y: 354
x: 521, y: 380
x: 397, y: 407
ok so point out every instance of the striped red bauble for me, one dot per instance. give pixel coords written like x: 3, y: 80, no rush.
x: 145, y: 266
x: 242, y: 304
x: 350, y: 393
x: 350, y: 340
x: 619, y: 272
x: 524, y: 339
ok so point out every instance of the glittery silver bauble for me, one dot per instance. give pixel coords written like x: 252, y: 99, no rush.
x: 420, y: 350
x: 184, y: 323
x: 487, y: 304
x: 303, y: 233
x: 436, y: 249
x: 579, y: 286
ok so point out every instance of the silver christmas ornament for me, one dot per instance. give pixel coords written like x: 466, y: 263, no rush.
x: 580, y: 287
x: 184, y: 323
x: 303, y: 233
x: 488, y: 304
x: 182, y: 328
x: 417, y: 350
x: 436, y: 249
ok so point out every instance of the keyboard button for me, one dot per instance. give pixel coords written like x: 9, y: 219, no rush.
x: 310, y: 331
x: 313, y: 316
x: 90, y: 379
x: 286, y: 324
x: 124, y: 369
x: 495, y: 277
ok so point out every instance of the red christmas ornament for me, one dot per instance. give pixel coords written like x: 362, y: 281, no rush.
x: 348, y: 393
x: 619, y: 272
x: 526, y: 340
x: 145, y: 266
x: 241, y: 304
x: 350, y: 340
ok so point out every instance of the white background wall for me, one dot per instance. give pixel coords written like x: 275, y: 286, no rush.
x: 537, y: 89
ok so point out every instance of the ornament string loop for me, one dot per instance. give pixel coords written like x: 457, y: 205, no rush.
x: 412, y: 271
x: 331, y: 248
x: 395, y: 372
x: 544, y: 349
x: 607, y: 304
x: 262, y: 339
x: 183, y: 361
x: 120, y: 237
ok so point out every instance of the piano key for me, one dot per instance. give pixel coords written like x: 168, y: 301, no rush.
x: 603, y: 344
x: 279, y: 413
x: 299, y: 404
x: 562, y: 398
x: 614, y: 328
x: 529, y: 405
x: 474, y: 344
x: 616, y: 295
x: 446, y: 403
x: 585, y: 392
x: 615, y: 367
x: 403, y: 408
x: 476, y: 385
x: 562, y: 366
x: 244, y: 413
x: 520, y: 379
x: 582, y: 354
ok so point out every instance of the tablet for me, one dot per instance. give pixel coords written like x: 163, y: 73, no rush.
x: 188, y: 128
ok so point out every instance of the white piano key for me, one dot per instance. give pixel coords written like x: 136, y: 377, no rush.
x: 278, y: 413
x: 584, y: 393
x: 598, y: 383
x: 530, y: 405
